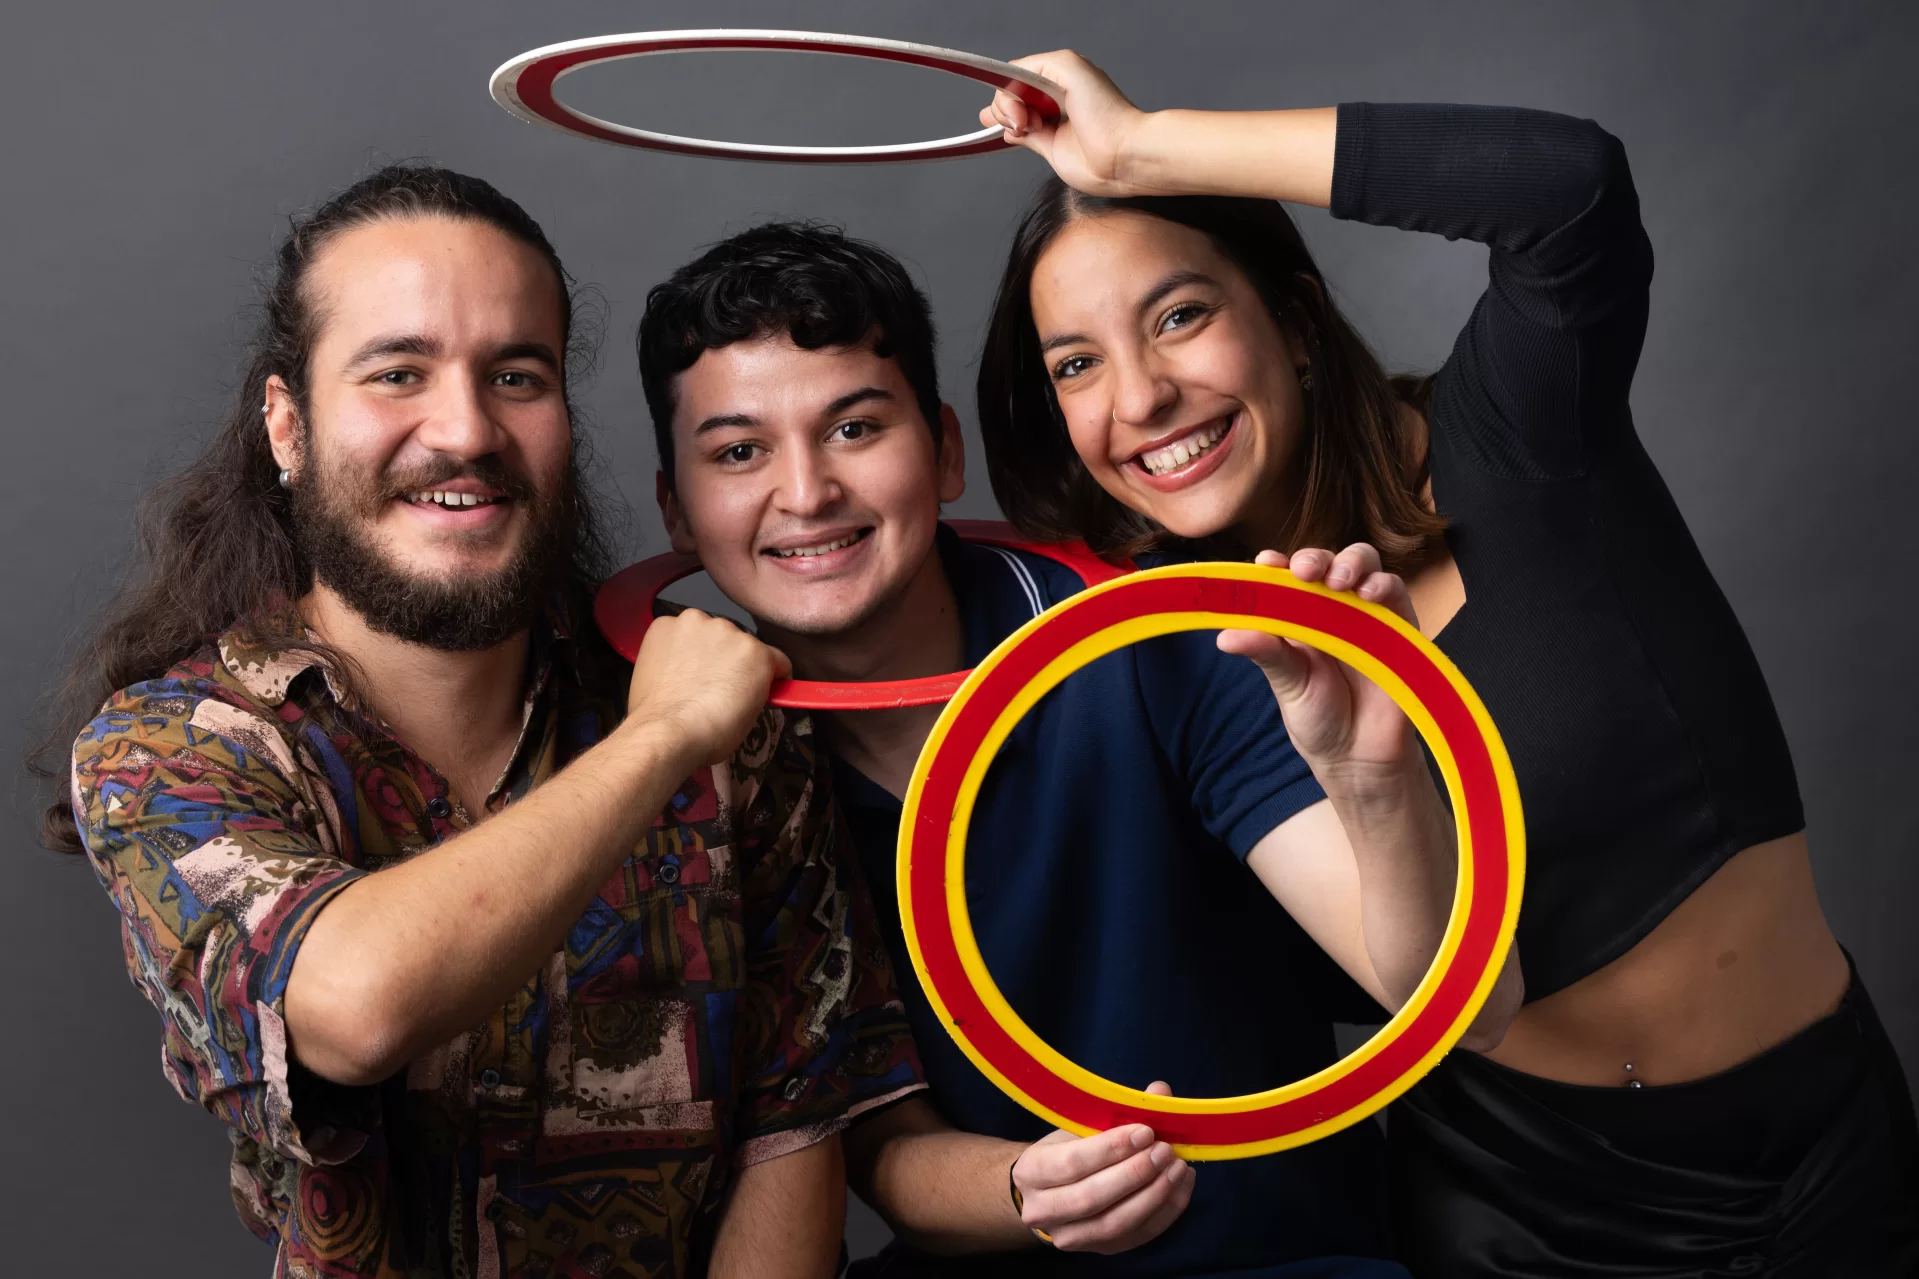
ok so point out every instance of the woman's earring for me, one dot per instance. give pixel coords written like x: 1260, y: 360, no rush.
x: 1306, y: 381
x: 286, y: 479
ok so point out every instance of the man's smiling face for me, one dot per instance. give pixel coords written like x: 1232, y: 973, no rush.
x: 808, y: 482
x: 432, y: 464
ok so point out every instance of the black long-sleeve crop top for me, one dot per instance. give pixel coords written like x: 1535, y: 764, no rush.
x: 1646, y: 744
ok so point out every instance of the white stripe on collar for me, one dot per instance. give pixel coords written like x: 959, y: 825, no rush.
x: 1024, y: 576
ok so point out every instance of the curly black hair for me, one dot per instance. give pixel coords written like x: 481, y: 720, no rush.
x: 806, y: 280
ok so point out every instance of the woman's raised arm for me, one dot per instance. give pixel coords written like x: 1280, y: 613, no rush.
x: 1106, y: 146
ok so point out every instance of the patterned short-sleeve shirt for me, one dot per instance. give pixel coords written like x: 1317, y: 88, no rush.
x: 725, y: 998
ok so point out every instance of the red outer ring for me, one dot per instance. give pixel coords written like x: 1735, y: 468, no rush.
x: 623, y: 608
x: 1482, y: 802
x: 534, y: 87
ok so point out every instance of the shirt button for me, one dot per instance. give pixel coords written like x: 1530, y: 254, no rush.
x: 667, y: 873
x: 489, y: 1078
x: 438, y: 809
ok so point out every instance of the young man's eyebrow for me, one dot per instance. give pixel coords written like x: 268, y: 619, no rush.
x: 845, y: 402
x: 860, y: 396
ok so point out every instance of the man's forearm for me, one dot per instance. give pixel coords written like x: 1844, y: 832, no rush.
x: 785, y: 1217
x: 409, y: 956
x: 941, y: 1190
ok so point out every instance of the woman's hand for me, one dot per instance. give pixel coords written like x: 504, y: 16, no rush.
x: 1106, y: 1193
x: 1087, y: 145
x: 1104, y: 145
x: 1343, y: 724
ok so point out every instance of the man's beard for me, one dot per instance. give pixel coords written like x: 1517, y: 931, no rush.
x: 330, y: 529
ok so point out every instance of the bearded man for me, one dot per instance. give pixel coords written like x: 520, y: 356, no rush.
x: 491, y: 969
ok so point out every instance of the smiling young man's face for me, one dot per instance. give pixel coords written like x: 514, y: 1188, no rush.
x: 808, y: 482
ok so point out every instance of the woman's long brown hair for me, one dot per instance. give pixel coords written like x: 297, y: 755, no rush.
x: 214, y: 542
x: 1362, y: 475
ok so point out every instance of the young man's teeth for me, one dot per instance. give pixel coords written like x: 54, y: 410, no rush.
x: 1179, y: 453
x: 822, y: 549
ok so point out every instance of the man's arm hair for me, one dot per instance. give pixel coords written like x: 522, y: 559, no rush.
x: 786, y: 1217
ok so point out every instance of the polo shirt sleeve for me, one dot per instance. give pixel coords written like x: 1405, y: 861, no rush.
x: 1215, y: 716
x: 210, y: 849
x: 823, y: 1034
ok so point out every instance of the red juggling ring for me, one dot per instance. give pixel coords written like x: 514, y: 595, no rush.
x: 624, y: 609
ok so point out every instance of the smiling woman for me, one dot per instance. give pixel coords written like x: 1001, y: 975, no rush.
x: 1256, y: 274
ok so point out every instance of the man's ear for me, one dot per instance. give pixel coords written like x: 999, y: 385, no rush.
x: 283, y: 425
x: 952, y: 460
x: 673, y: 516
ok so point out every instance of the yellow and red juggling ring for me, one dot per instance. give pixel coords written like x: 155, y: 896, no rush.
x: 1037, y: 658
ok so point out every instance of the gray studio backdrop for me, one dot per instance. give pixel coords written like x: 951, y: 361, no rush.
x: 152, y: 153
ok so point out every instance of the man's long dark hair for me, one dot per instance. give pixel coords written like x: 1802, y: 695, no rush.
x: 214, y: 543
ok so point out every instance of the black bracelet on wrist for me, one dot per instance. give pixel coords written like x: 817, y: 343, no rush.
x: 1019, y: 1204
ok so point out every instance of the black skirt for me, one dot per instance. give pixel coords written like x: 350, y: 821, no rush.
x: 1803, y: 1162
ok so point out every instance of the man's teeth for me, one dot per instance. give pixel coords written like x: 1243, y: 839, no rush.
x: 1180, y: 452
x: 452, y: 500
x: 822, y: 549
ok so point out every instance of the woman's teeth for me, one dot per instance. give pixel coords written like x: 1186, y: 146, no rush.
x: 822, y: 549
x: 1180, y: 452
x: 452, y: 500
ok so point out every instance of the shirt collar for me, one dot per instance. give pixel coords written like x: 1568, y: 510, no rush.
x: 267, y: 652
x: 994, y: 595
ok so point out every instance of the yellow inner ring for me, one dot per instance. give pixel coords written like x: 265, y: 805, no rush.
x: 1131, y: 631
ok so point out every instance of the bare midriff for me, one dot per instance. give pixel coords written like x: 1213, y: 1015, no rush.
x: 1740, y: 966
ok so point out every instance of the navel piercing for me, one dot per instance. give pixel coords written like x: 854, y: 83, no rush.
x: 1633, y: 1083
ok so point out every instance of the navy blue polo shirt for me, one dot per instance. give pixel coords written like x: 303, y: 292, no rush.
x: 1106, y: 880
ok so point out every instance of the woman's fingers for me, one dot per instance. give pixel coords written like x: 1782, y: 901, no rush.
x: 1288, y: 666
x: 1388, y: 589
x: 1311, y: 564
x: 1352, y: 566
x: 1356, y: 569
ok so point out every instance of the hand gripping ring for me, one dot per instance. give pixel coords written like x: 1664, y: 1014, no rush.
x: 624, y: 609
x: 1035, y: 659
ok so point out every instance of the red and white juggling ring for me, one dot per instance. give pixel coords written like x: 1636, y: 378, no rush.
x: 526, y: 86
